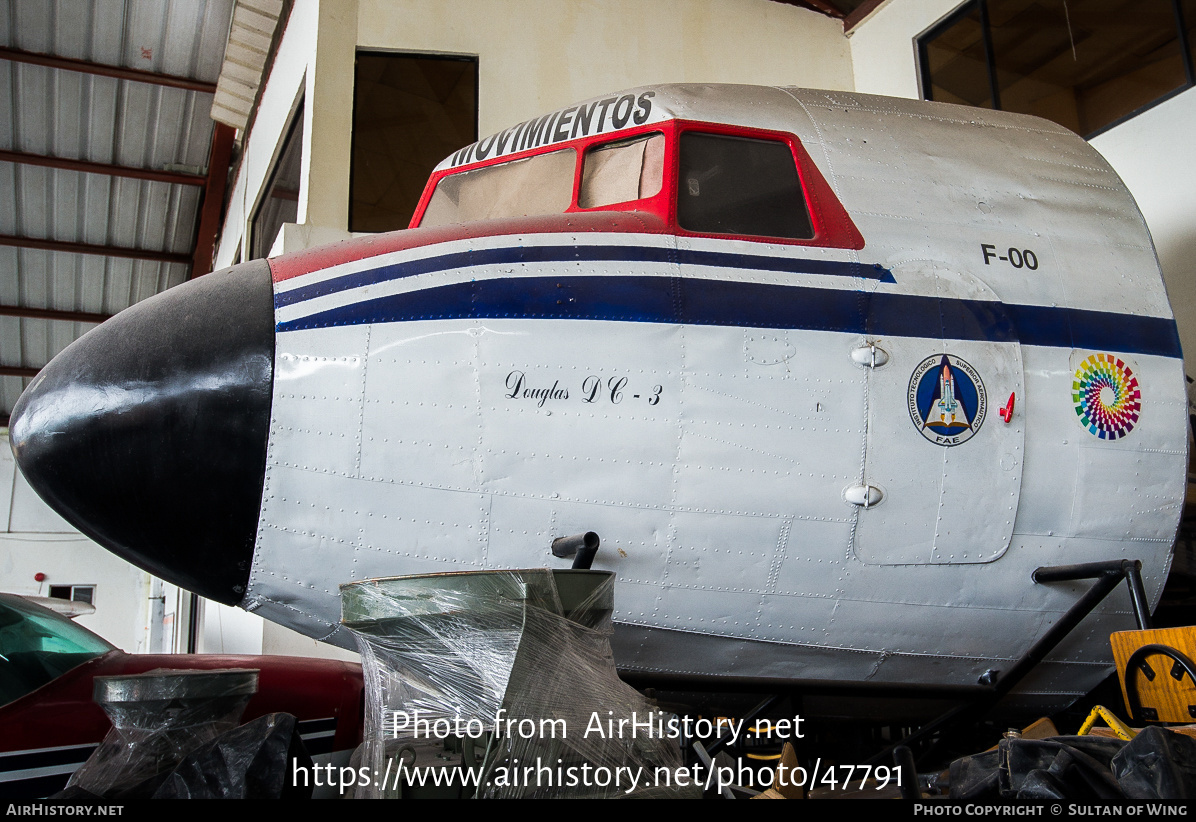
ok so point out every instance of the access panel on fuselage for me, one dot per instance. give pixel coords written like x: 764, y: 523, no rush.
x: 947, y: 463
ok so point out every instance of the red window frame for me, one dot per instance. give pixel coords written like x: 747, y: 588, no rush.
x: 833, y: 227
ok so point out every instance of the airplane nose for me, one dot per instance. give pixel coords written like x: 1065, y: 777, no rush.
x: 148, y: 433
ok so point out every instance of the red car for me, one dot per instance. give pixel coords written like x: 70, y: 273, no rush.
x: 49, y: 723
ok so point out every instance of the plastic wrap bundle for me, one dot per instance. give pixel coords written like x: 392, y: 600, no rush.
x: 157, y: 719
x: 255, y: 761
x: 519, y: 664
x: 1155, y: 764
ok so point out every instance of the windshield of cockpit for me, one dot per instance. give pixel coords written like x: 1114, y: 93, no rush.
x: 612, y: 173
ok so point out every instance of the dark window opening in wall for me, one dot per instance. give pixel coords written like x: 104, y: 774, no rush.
x: 955, y: 62
x: 409, y: 113
x: 74, y: 593
x: 281, y: 201
x: 1187, y: 10
x: 1085, y: 64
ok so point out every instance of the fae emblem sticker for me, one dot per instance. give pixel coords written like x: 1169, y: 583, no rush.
x: 947, y: 401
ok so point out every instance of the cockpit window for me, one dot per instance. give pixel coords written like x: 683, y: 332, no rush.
x: 738, y: 185
x: 622, y: 171
x: 537, y: 185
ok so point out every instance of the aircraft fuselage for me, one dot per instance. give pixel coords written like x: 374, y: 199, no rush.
x: 783, y: 425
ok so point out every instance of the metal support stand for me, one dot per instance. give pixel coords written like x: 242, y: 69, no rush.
x: 993, y: 685
x: 1107, y: 575
x: 903, y: 758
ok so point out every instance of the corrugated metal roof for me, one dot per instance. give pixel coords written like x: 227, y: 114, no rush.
x: 54, y: 112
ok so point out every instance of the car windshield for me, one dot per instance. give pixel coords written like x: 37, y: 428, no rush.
x: 38, y: 645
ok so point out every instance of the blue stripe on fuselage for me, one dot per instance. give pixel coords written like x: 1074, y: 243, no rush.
x: 691, y: 301
x: 581, y: 254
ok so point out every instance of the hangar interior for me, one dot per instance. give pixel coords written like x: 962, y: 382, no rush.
x: 149, y: 143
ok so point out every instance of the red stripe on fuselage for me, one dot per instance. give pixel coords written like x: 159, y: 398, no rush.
x: 360, y: 248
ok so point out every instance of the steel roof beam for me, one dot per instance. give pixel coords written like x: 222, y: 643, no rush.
x: 174, y: 177
x: 862, y: 11
x: 101, y: 250
x: 219, y: 162
x: 119, y: 72
x: 51, y: 314
x: 17, y: 371
x: 826, y: 7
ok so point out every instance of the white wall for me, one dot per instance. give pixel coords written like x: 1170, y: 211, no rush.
x: 533, y: 56
x: 1153, y: 153
x: 883, y: 57
x: 281, y: 92
x: 283, y: 641
x: 228, y: 630
x: 538, y: 55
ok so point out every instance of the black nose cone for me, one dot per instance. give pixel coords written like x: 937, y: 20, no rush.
x: 148, y: 433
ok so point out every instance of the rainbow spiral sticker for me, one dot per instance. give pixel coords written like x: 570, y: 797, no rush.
x: 1107, y: 398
